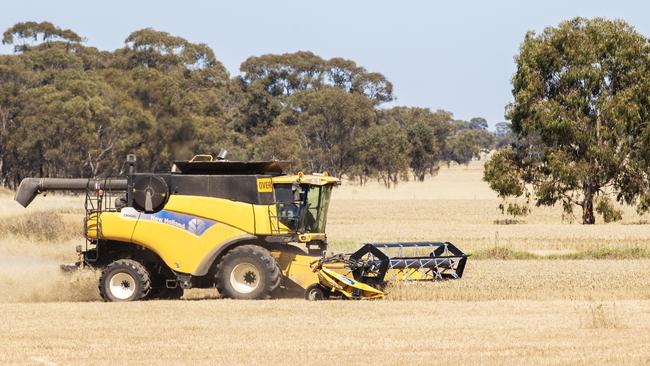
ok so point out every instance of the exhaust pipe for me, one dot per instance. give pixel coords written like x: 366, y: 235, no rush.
x: 30, y: 187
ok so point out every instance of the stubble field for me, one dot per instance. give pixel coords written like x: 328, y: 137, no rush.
x: 549, y: 308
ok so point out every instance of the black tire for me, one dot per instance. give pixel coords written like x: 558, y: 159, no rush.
x: 124, y: 280
x: 316, y: 292
x: 164, y: 293
x: 247, y: 272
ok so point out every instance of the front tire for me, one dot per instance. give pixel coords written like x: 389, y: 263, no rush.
x: 316, y: 292
x: 124, y: 280
x: 247, y: 272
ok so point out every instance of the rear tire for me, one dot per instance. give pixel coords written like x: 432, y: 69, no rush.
x: 247, y: 272
x: 124, y: 280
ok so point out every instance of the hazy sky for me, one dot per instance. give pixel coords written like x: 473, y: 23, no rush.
x: 453, y: 55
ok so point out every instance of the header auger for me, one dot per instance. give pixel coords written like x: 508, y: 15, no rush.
x: 246, y: 228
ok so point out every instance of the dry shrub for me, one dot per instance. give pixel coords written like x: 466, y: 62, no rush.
x: 600, y: 316
x: 604, y: 253
x: 640, y: 222
x: 45, y: 225
x: 508, y: 222
x: 608, y: 253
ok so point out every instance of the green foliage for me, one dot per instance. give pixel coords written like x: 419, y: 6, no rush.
x: 467, y: 140
x: 579, y: 117
x: 462, y: 147
x: 479, y: 123
x: 26, y: 32
x: 503, y: 136
x: 426, y: 132
x: 383, y: 151
x: 331, y: 123
x: 514, y: 209
x: 283, y: 75
x: 502, y: 174
x: 70, y: 110
x: 606, y: 209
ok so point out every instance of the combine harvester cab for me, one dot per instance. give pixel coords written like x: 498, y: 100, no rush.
x: 246, y: 228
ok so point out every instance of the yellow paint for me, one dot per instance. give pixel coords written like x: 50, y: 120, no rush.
x: 236, y: 214
x: 316, y: 180
x: 346, y: 285
x: 299, y: 269
x: 306, y: 238
x: 264, y: 185
x: 183, y: 251
x: 117, y: 227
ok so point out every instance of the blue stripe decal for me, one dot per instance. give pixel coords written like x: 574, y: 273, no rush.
x: 192, y: 224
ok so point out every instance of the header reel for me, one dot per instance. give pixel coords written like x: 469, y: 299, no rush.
x: 372, y: 268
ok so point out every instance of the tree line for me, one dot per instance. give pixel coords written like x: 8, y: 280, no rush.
x: 71, y: 110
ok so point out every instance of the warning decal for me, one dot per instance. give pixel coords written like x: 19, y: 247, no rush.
x: 264, y: 185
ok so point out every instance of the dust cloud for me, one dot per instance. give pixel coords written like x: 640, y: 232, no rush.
x: 33, y: 279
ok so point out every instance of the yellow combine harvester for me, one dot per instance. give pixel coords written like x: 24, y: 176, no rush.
x: 246, y: 228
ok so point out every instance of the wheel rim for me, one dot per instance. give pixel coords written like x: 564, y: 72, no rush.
x: 122, y: 285
x: 245, y: 278
x: 316, y: 294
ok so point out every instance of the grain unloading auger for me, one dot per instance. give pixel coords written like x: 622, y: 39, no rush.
x: 246, y: 228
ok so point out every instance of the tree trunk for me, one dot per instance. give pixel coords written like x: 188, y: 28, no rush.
x: 588, y: 207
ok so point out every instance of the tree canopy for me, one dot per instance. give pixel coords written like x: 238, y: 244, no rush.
x: 70, y: 110
x: 579, y: 120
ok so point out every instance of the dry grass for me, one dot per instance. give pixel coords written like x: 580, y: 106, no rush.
x: 601, y: 316
x: 42, y: 226
x: 299, y: 332
x: 595, y: 280
x: 58, y: 203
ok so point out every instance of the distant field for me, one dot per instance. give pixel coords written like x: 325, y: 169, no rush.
x: 542, y: 310
x: 458, y: 206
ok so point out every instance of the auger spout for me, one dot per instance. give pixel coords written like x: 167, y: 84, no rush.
x: 30, y: 187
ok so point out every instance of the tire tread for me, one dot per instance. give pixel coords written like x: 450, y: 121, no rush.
x: 264, y: 255
x: 136, y: 267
